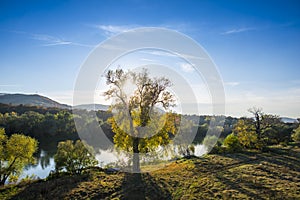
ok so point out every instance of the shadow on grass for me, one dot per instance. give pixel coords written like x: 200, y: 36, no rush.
x: 142, y: 186
x: 55, y: 188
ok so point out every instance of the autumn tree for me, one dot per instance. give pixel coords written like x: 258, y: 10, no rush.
x: 74, y: 157
x: 245, y: 132
x: 16, y: 151
x: 232, y: 143
x: 258, y: 115
x: 138, y: 126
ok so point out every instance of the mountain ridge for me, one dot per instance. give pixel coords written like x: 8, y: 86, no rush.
x: 43, y: 101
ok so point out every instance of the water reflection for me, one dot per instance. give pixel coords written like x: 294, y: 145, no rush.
x: 45, y: 160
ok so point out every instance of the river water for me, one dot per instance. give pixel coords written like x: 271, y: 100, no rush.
x: 45, y: 163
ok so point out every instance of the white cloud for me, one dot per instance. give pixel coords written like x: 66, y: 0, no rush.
x: 110, y: 30
x: 237, y: 30
x: 148, y: 60
x: 10, y: 85
x: 231, y: 83
x: 285, y: 102
x: 186, y: 67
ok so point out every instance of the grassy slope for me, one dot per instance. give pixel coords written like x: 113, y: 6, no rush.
x: 250, y: 175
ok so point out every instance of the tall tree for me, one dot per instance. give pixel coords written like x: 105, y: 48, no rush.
x: 16, y: 151
x: 135, y: 97
x: 257, y: 112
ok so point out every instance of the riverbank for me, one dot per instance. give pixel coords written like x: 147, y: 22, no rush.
x: 274, y: 174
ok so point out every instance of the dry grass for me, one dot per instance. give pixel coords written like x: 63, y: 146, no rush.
x: 248, y: 175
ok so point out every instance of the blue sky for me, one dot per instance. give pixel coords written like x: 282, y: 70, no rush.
x: 255, y: 44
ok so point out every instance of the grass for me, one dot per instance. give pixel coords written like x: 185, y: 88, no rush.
x: 274, y: 174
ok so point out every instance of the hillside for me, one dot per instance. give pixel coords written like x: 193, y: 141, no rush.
x: 249, y: 175
x: 31, y: 100
x: 89, y: 107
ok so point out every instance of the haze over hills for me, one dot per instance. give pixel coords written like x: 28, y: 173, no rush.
x: 92, y: 107
x: 38, y: 100
x: 31, y: 100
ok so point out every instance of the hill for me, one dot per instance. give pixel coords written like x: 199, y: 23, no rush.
x: 31, y: 100
x: 42, y: 101
x: 289, y: 120
x: 89, y: 107
x: 274, y: 174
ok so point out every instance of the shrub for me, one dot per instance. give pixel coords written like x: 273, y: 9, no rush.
x: 74, y: 157
x: 232, y: 144
x: 296, y: 134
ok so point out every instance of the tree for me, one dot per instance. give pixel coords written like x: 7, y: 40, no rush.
x: 245, y: 133
x: 16, y: 151
x: 136, y: 96
x: 296, y: 134
x: 266, y: 127
x: 74, y: 157
x: 232, y: 143
x: 257, y: 112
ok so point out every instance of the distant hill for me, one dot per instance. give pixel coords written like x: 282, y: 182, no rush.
x: 31, y: 100
x: 92, y: 107
x: 288, y: 120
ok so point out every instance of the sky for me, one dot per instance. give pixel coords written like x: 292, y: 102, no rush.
x: 255, y: 45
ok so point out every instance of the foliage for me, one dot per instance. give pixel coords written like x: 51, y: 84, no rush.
x: 231, y: 142
x: 210, y: 141
x: 296, y: 134
x: 16, y: 151
x: 74, y: 157
x: 263, y: 129
x: 245, y: 134
x: 138, y: 125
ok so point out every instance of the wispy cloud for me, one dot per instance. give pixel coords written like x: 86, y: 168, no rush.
x: 148, y: 60
x: 55, y: 41
x: 232, y: 83
x: 49, y: 40
x: 238, y: 30
x: 110, y: 30
x: 186, y: 67
x: 10, y: 85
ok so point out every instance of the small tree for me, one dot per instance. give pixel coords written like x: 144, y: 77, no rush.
x: 232, y: 143
x: 16, y: 151
x: 296, y: 134
x: 245, y: 134
x: 74, y: 157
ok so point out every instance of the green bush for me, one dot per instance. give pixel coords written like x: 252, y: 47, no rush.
x: 296, y: 134
x: 232, y: 144
x: 74, y: 157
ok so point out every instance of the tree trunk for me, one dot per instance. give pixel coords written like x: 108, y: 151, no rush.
x: 136, y: 156
x: 3, y: 180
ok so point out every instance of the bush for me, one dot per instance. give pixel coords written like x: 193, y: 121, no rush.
x: 232, y: 143
x: 296, y: 134
x: 74, y: 157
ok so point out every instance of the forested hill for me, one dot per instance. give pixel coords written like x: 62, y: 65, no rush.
x: 31, y: 100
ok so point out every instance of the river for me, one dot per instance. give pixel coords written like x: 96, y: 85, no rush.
x: 45, y: 162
